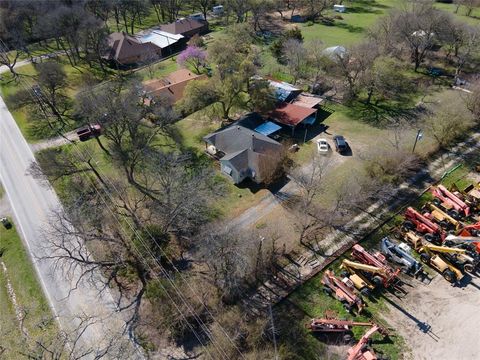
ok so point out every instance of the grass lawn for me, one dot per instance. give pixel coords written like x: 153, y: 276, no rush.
x: 158, y: 70
x: 29, y: 296
x: 76, y: 78
x: 351, y: 29
x: 361, y: 15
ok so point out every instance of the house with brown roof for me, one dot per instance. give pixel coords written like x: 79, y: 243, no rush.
x: 125, y: 49
x: 186, y: 27
x: 171, y: 88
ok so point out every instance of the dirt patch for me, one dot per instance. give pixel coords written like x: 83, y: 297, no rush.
x: 438, y: 321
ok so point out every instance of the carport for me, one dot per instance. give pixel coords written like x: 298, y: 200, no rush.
x: 268, y: 128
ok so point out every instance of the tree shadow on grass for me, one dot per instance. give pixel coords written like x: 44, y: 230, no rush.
x: 349, y: 27
x: 363, y: 10
x: 372, y: 3
x: 380, y: 115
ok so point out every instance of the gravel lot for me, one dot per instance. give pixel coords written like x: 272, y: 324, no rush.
x: 438, y: 321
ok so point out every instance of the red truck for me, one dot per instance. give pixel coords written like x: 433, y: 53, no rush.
x: 88, y: 131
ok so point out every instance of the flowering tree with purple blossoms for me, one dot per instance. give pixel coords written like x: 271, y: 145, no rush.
x: 193, y: 56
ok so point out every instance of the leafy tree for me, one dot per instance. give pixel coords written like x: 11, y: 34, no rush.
x: 386, y: 80
x: 203, y: 6
x: 278, y: 45
x: 234, y: 64
x: 192, y: 56
x: 314, y: 8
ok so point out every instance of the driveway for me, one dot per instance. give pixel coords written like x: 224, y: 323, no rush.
x: 32, y: 202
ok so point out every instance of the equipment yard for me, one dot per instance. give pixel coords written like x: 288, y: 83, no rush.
x: 410, y: 290
x: 438, y: 321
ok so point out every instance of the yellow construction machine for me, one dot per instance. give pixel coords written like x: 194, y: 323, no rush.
x: 442, y: 218
x: 456, y: 256
x: 367, y: 277
x: 433, y: 258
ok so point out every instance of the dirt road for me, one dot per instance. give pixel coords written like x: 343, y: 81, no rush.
x: 438, y: 321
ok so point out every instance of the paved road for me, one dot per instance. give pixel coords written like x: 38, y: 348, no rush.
x: 32, y: 203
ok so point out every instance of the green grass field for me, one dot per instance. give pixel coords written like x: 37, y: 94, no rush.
x: 29, y: 297
x: 360, y: 16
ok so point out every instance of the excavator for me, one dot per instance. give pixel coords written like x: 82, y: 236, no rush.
x: 360, y: 350
x: 415, y: 221
x: 342, y: 290
x: 456, y: 206
x: 434, y: 260
x: 367, y: 277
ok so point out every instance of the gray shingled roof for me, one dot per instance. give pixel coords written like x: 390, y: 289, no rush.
x: 236, y: 138
x: 243, y: 148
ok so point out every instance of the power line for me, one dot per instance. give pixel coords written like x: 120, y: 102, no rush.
x: 165, y: 273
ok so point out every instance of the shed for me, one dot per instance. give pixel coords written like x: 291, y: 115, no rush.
x: 217, y: 10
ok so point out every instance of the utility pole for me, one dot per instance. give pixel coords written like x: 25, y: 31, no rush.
x: 273, y: 331
x: 418, y: 137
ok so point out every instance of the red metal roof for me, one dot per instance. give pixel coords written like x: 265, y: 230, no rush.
x: 289, y: 114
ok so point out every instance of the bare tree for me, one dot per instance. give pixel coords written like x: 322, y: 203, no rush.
x: 418, y: 29
x: 473, y: 101
x: 315, y: 8
x: 385, y: 80
x: 469, y: 5
x: 353, y: 64
x: 448, y: 120
x: 236, y: 259
x: 49, y: 343
x: 311, y: 215
x: 296, y: 58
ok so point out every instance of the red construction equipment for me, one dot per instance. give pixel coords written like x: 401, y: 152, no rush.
x: 329, y: 324
x: 342, y: 290
x: 360, y: 351
x: 416, y: 221
x: 446, y: 197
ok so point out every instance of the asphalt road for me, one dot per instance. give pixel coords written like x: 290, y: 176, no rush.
x: 32, y: 201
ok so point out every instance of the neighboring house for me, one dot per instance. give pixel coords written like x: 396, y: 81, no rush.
x: 186, y: 27
x: 130, y: 50
x: 293, y: 115
x: 172, y: 86
x: 335, y: 52
x: 243, y: 153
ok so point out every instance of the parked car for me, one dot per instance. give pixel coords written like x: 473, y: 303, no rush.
x: 340, y: 144
x: 6, y: 223
x: 322, y: 146
x: 88, y: 131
